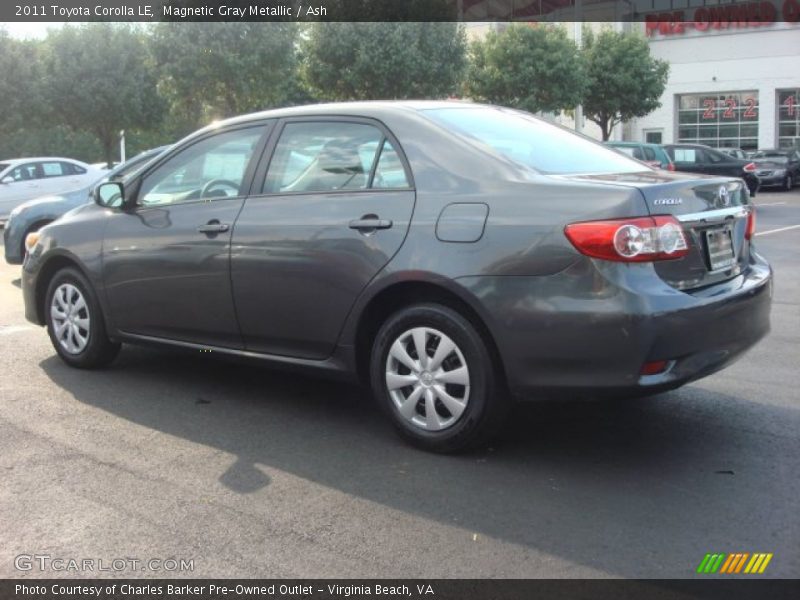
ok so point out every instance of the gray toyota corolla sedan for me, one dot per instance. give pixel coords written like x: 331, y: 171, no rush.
x: 453, y: 256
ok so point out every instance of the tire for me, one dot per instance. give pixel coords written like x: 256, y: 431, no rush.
x: 75, y: 322
x: 469, y: 404
x: 788, y: 183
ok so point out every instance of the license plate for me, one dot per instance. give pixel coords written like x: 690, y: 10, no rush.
x: 719, y: 244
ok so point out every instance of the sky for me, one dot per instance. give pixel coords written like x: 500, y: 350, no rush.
x: 28, y: 30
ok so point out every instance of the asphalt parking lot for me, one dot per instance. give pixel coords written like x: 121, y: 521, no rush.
x: 249, y: 472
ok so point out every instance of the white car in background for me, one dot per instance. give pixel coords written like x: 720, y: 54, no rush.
x: 23, y: 179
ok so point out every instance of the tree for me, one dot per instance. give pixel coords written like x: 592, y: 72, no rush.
x: 19, y: 74
x: 624, y: 81
x: 215, y: 70
x: 373, y: 61
x: 98, y: 78
x: 533, y: 68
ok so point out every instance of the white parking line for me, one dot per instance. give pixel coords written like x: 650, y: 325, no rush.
x: 9, y: 329
x: 769, y: 231
x: 759, y: 205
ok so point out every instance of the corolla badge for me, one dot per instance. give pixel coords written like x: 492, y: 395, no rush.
x: 724, y: 196
x: 668, y: 201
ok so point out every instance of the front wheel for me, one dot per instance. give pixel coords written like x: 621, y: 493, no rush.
x: 432, y: 373
x: 75, y: 322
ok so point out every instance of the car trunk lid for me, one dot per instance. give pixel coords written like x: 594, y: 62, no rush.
x: 713, y: 213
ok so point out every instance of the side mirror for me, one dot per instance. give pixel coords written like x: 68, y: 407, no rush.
x: 109, y: 195
x: 7, y: 180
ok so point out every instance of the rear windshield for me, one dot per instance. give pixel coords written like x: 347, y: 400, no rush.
x: 532, y: 142
x: 776, y: 158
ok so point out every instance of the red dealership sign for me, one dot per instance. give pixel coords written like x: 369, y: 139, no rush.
x: 731, y: 16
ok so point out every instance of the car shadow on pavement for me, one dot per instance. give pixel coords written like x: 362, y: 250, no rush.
x: 631, y: 488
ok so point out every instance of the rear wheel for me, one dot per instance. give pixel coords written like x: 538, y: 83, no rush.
x: 75, y: 322
x: 432, y: 373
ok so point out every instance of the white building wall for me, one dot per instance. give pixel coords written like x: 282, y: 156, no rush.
x: 764, y: 59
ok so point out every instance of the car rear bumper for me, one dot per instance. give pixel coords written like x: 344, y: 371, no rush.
x: 772, y: 180
x: 590, y: 329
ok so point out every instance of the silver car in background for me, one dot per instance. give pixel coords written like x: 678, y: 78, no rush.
x: 22, y: 179
x: 34, y: 214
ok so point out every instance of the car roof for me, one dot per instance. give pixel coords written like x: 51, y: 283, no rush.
x: 372, y: 108
x: 16, y: 161
x: 648, y: 144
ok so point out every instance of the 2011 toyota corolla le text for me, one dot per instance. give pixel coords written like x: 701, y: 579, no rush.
x: 453, y: 256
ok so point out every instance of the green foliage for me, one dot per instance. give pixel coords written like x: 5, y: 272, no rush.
x: 214, y: 70
x: 530, y: 68
x: 624, y: 81
x: 371, y: 61
x: 19, y: 73
x: 98, y: 78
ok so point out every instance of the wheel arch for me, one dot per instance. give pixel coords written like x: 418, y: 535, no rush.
x: 46, y: 273
x: 400, y: 294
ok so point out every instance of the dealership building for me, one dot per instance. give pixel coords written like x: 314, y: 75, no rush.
x: 736, y: 86
x: 734, y: 78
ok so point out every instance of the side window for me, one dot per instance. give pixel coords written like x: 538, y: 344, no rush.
x: 72, y: 169
x: 685, y: 155
x: 323, y: 157
x: 389, y: 172
x: 637, y: 153
x: 649, y: 153
x: 211, y: 168
x: 25, y: 172
x: 53, y: 169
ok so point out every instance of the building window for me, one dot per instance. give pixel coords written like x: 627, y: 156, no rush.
x: 654, y: 136
x: 789, y: 118
x: 720, y: 120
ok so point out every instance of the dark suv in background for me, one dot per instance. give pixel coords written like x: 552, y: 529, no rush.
x: 778, y: 167
x: 696, y: 158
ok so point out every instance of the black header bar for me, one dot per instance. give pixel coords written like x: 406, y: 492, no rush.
x: 712, y: 588
x: 708, y: 11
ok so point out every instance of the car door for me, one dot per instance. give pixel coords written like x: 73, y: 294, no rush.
x: 719, y: 163
x: 335, y: 206
x: 166, y: 259
x: 57, y: 177
x: 20, y: 183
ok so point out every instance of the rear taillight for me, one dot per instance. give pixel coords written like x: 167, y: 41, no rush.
x: 630, y: 240
x: 749, y: 167
x: 670, y: 167
x: 751, y: 224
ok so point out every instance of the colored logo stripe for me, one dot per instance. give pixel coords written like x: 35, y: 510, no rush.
x: 734, y: 563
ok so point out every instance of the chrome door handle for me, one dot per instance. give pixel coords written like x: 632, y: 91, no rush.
x: 363, y: 224
x: 213, y: 227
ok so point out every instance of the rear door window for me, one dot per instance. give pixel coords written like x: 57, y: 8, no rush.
x: 315, y: 157
x: 54, y: 169
x: 685, y: 155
